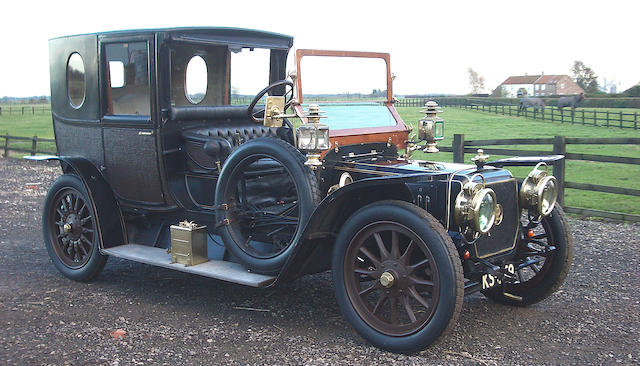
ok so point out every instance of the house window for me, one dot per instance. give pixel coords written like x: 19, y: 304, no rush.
x: 542, y: 86
x: 128, y: 79
x: 561, y: 85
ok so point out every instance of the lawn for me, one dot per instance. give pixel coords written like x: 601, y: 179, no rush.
x: 474, y: 125
x: 478, y: 125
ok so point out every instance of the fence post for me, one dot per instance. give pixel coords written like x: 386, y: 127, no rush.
x: 33, y: 110
x: 559, y: 148
x: 34, y: 145
x: 620, y: 119
x: 607, y: 118
x: 582, y: 117
x: 635, y: 120
x: 6, y: 146
x: 23, y: 111
x: 552, y: 115
x: 458, y: 148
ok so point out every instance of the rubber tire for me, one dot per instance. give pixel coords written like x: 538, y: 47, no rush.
x: 447, y: 262
x: 306, y: 186
x: 553, y: 277
x: 97, y: 261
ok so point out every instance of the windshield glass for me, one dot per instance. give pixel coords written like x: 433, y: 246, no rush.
x: 355, y: 115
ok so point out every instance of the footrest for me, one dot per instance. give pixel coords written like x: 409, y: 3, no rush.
x: 221, y: 270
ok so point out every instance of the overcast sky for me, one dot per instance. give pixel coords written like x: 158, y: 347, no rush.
x: 431, y: 43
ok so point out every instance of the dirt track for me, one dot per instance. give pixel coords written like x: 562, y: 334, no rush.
x: 177, y: 318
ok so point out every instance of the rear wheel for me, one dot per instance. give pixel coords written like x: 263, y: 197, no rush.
x: 69, y: 229
x: 541, y: 270
x: 397, y: 276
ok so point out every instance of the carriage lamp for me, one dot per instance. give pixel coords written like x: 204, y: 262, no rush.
x: 431, y: 127
x: 539, y: 190
x: 476, y: 208
x: 313, y: 136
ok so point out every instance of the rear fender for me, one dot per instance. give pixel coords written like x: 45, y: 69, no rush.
x: 110, y: 223
x: 313, y: 252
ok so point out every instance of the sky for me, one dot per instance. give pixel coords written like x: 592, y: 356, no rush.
x: 432, y: 43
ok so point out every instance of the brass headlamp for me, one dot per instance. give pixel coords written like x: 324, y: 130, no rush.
x: 476, y: 208
x: 539, y: 191
x: 313, y: 136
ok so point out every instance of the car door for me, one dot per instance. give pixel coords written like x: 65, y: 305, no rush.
x: 129, y: 125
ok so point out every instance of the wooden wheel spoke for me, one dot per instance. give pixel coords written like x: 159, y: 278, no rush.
x: 393, y: 303
x: 85, y: 230
x: 418, y: 297
x: 82, y: 248
x: 379, y: 303
x: 65, y: 206
x: 540, y: 236
x: 395, y: 249
x: 407, y: 307
x: 84, y: 205
x: 84, y: 221
x: 421, y: 282
x: 76, y: 202
x: 384, y: 254
x: 418, y: 265
x: 407, y: 252
x: 365, y: 272
x: 59, y: 212
x: 368, y: 289
x: 370, y: 256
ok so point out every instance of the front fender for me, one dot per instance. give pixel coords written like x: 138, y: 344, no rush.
x: 110, y: 223
x: 313, y: 252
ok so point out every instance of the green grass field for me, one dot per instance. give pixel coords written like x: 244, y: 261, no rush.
x: 476, y: 125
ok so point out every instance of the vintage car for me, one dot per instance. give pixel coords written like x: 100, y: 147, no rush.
x: 265, y: 192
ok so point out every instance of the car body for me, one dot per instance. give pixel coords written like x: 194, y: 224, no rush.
x: 141, y: 154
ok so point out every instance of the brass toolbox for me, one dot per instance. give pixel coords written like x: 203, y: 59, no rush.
x: 188, y: 243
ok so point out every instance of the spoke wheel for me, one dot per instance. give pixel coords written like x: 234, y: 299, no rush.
x: 72, y: 228
x: 544, y: 253
x: 391, y: 279
x: 397, y: 276
x: 270, y: 195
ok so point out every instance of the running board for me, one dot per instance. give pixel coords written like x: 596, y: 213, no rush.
x: 221, y: 270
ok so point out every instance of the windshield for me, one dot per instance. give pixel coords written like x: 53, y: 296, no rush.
x: 341, y: 116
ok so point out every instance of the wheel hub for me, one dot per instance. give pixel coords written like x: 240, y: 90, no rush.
x: 387, y: 280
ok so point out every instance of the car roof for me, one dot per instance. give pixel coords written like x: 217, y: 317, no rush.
x: 240, y: 37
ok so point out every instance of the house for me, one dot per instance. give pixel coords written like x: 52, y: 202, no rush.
x: 540, y: 85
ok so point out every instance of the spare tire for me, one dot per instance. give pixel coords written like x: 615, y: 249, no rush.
x: 265, y: 195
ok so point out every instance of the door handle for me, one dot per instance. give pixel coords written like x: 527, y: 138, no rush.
x: 145, y: 133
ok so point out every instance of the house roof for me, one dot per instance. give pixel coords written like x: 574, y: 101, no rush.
x: 549, y: 79
x: 526, y: 79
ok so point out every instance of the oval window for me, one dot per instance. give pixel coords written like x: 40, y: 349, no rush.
x: 75, y: 80
x: 195, y: 85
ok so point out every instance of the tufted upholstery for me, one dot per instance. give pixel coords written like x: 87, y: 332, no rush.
x: 195, y: 139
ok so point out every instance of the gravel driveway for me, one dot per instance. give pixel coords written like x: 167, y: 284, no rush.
x: 177, y: 318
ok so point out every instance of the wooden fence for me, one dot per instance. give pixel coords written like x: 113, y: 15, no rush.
x: 7, y: 147
x: 619, y: 119
x: 25, y: 109
x: 559, y: 143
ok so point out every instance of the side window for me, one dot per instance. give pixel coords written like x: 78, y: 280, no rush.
x: 128, y: 90
x: 75, y: 80
x: 195, y: 86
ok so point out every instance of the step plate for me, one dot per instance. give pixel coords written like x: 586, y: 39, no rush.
x: 221, y: 270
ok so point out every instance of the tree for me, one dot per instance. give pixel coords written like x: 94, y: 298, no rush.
x: 475, y: 81
x: 585, y: 77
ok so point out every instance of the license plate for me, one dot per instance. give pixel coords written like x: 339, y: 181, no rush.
x: 489, y: 280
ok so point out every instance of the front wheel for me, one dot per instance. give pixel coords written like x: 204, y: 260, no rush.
x: 544, y: 254
x: 397, y: 276
x: 69, y: 230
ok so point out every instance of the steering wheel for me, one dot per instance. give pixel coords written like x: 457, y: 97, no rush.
x: 256, y: 99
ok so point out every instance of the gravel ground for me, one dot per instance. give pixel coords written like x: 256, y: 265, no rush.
x: 177, y: 318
